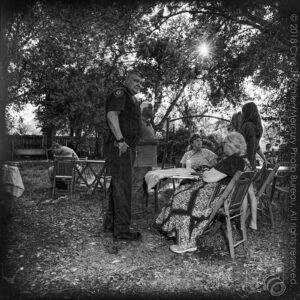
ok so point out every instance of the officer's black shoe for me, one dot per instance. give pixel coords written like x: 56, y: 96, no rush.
x: 108, y: 229
x: 131, y: 235
x: 108, y: 226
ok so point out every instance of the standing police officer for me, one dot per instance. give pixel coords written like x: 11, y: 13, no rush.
x: 123, y: 118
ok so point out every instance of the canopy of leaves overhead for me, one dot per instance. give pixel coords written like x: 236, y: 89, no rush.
x: 65, y: 57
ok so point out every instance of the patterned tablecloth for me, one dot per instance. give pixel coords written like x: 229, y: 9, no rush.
x: 11, y: 180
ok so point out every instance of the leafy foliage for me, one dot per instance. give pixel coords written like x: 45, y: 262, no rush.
x: 65, y: 58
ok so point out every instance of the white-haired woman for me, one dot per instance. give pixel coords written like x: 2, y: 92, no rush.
x: 188, y: 210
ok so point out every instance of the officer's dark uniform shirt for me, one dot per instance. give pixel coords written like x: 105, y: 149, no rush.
x: 121, y: 99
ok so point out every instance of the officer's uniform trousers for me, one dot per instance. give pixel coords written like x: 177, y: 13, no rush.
x: 119, y: 200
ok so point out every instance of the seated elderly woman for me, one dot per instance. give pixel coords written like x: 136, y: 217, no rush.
x: 188, y: 210
x: 198, y: 156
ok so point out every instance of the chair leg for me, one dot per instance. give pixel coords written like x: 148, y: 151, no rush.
x: 272, y: 190
x: 286, y: 199
x: 173, y: 181
x: 270, y: 212
x: 53, y: 188
x: 73, y: 186
x: 285, y: 206
x: 216, y: 227
x: 248, y: 213
x: 244, y: 233
x: 156, y: 198
x: 145, y: 193
x: 229, y: 237
x: 104, y: 185
x: 71, y: 189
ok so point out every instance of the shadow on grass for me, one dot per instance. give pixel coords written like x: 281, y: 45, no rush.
x: 58, y: 249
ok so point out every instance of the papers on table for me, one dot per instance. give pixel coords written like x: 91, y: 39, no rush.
x: 153, y: 177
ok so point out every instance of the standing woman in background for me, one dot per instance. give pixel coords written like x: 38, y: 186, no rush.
x: 236, y: 124
x: 251, y: 129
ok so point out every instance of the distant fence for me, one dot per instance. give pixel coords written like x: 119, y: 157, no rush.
x: 36, y: 145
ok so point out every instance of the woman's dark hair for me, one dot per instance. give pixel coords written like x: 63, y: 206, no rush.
x: 194, y: 137
x: 251, y: 114
x: 236, y: 121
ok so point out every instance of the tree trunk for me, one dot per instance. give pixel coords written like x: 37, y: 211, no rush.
x: 50, y: 135
x: 78, y: 139
x: 98, y: 151
x: 3, y: 78
x: 72, y: 131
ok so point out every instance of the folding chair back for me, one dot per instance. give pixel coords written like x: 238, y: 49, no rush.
x: 261, y: 176
x: 233, y: 208
x: 63, y: 168
x: 230, y: 205
x: 101, y: 180
x: 240, y: 191
x: 281, y: 185
x: 64, y: 171
x: 222, y: 198
x: 266, y: 181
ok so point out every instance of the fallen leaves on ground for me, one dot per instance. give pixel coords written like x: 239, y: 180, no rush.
x: 57, y: 248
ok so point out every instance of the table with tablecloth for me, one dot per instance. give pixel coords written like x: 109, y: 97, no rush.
x: 12, y: 182
x: 11, y: 187
x: 153, y: 178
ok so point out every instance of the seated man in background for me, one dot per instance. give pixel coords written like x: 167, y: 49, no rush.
x: 59, y: 150
x: 198, y: 156
x: 270, y: 154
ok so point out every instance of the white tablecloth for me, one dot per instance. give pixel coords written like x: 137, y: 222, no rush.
x: 153, y: 177
x: 12, y: 180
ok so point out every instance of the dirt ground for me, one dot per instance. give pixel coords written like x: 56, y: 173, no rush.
x: 57, y: 249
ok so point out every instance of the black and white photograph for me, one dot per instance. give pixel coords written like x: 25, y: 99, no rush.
x: 149, y: 149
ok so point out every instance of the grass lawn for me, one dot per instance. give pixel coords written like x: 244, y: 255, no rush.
x: 56, y: 249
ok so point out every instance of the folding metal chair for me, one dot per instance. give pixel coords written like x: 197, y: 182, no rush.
x: 102, y: 180
x: 281, y: 186
x: 64, y: 172
x: 263, y: 187
x: 232, y: 204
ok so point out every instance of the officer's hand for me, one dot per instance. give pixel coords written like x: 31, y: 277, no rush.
x: 122, y: 147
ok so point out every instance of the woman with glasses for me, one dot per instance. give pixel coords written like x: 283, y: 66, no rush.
x: 198, y: 156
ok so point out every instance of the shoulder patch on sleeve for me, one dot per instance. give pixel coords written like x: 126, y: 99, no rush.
x: 119, y: 93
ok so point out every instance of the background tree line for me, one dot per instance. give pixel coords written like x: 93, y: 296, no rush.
x: 64, y: 57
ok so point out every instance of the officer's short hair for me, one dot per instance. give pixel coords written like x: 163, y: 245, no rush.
x: 134, y: 72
